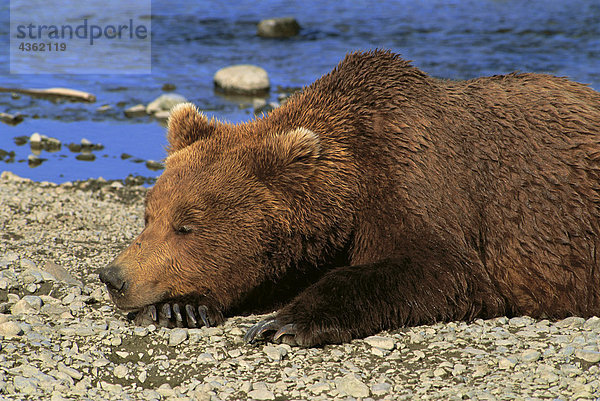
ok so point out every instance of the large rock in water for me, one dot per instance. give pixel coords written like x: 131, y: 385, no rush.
x: 242, y: 79
x: 278, y: 28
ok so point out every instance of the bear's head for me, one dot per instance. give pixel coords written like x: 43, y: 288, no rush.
x: 236, y: 206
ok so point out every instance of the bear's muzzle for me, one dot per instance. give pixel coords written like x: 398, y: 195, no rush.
x: 112, y: 277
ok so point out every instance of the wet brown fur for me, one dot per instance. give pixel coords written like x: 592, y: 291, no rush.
x: 380, y: 197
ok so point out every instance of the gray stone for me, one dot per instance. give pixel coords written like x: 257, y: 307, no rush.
x: 351, y: 385
x: 276, y: 353
x: 588, y: 355
x: 261, y: 394
x: 25, y: 385
x: 140, y: 331
x: 121, y: 371
x: 381, y: 388
x: 177, y: 336
x: 34, y: 301
x: 592, y: 323
x: 278, y: 27
x: 506, y: 363
x: 205, y: 357
x: 143, y: 376
x: 530, y: 355
x: 319, y: 387
x: 71, y: 372
x: 165, y: 102
x: 242, y: 79
x: 571, y: 322
x: 61, y: 274
x: 22, y: 306
x: 10, y: 329
x: 381, y: 342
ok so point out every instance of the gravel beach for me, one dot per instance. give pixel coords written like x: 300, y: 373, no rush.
x: 61, y: 337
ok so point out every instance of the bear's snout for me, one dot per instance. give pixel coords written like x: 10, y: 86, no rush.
x: 112, y: 277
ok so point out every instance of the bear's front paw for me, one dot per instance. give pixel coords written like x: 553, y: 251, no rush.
x: 182, y: 313
x: 284, y: 328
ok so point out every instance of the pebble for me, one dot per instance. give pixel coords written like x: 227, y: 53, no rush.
x: 10, y: 329
x: 22, y: 306
x: 177, y: 336
x: 588, y: 355
x: 71, y: 372
x: 242, y: 79
x: 530, y: 355
x: 278, y: 27
x: 381, y: 342
x: 261, y: 394
x: 381, y: 388
x: 121, y: 371
x: 140, y: 331
x: 276, y: 353
x: 352, y: 386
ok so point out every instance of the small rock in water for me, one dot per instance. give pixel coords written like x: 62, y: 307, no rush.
x: 242, y: 79
x: 138, y: 110
x: 164, y: 102
x: 11, y: 119
x: 278, y: 27
x: 162, y: 116
x: 168, y: 87
x: 88, y: 157
x: 34, y: 160
x: 35, y: 140
x: 154, y: 165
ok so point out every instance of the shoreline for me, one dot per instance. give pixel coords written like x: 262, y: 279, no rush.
x: 69, y: 342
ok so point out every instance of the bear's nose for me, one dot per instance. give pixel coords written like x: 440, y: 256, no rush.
x: 111, y: 276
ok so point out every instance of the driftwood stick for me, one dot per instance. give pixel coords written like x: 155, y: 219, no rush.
x: 55, y: 93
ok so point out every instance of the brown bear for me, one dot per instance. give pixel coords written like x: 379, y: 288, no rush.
x: 378, y: 197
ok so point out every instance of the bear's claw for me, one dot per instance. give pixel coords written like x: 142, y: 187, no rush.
x: 287, y: 330
x: 178, y: 314
x: 203, y: 312
x: 191, y: 318
x: 260, y: 328
x: 267, y: 325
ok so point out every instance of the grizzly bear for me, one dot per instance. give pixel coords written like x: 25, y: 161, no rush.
x: 378, y: 197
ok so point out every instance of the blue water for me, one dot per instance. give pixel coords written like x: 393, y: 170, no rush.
x: 192, y: 40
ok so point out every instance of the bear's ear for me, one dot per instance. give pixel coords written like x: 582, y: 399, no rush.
x: 187, y: 125
x: 288, y: 157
